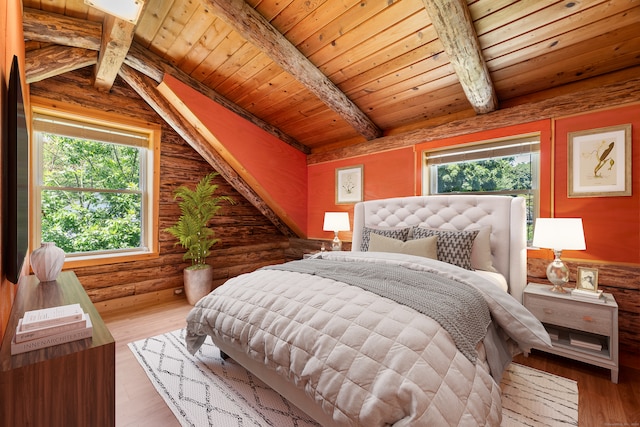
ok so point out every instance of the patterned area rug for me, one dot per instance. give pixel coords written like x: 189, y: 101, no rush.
x: 204, y: 390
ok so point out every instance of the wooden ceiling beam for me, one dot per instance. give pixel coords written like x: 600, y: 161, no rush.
x: 150, y: 64
x: 146, y: 89
x: 454, y: 26
x: 59, y: 29
x: 257, y: 30
x: 48, y: 27
x: 117, y: 36
x: 54, y: 60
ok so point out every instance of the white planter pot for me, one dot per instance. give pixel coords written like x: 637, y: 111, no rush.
x: 197, y: 283
x: 47, y: 262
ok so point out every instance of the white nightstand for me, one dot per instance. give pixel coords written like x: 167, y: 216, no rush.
x: 586, y: 331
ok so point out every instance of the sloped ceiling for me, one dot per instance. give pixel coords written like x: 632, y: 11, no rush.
x: 326, y: 76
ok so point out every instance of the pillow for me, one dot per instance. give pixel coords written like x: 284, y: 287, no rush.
x: 400, y: 233
x: 427, y: 248
x: 481, y: 251
x: 454, y: 247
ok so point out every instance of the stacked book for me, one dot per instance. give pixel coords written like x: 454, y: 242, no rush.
x: 585, y: 341
x: 51, y: 326
x: 589, y: 296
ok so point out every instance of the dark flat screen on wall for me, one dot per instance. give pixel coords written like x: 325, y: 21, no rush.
x: 15, y: 179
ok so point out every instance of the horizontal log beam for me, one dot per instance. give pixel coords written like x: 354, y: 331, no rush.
x: 54, y: 60
x: 49, y: 27
x: 605, y: 96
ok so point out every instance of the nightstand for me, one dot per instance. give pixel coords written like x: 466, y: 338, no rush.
x: 581, y: 330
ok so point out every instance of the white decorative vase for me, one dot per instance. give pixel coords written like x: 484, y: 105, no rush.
x: 47, y: 262
x: 198, y: 283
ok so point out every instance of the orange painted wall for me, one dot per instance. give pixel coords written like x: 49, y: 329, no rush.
x: 611, y: 224
x: 387, y: 174
x: 11, y: 43
x: 279, y: 168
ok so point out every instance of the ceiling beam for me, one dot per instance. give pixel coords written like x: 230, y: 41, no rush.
x: 257, y: 30
x: 150, y: 64
x: 146, y: 89
x: 48, y: 27
x: 117, y: 36
x: 454, y: 26
x: 54, y: 60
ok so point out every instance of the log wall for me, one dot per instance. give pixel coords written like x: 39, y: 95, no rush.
x: 248, y: 239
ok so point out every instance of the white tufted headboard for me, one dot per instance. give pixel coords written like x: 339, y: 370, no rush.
x: 506, y: 216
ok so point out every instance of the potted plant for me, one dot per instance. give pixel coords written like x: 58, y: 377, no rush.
x: 197, y: 206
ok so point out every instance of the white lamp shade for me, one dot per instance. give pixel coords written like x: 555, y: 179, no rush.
x: 129, y: 10
x: 336, y: 221
x: 559, y: 233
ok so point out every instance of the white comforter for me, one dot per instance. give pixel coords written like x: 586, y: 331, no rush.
x: 366, y: 360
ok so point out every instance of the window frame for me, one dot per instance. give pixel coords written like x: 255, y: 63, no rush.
x: 151, y: 184
x: 505, y: 146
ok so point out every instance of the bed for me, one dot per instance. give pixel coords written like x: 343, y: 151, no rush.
x: 414, y: 326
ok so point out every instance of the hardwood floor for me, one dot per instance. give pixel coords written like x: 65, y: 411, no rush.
x: 601, y: 403
x: 137, y: 402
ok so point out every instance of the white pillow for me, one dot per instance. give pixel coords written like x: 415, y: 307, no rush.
x: 427, y: 247
x: 481, y: 251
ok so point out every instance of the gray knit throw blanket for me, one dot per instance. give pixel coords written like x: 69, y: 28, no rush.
x: 458, y: 307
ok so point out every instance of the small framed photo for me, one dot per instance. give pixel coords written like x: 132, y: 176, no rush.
x: 600, y: 162
x: 587, y: 279
x: 349, y: 184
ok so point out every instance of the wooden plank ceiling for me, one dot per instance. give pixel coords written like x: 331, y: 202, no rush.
x: 331, y: 77
x: 322, y: 75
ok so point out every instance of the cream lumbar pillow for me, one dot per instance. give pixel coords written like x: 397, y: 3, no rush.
x: 427, y: 247
x: 481, y: 251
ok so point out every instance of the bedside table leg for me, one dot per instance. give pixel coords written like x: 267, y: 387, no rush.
x: 614, y: 376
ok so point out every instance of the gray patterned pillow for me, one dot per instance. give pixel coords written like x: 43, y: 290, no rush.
x: 454, y: 247
x: 399, y: 233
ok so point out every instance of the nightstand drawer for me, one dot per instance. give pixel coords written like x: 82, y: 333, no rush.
x: 592, y: 317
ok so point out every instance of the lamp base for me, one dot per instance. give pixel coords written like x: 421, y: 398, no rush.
x: 336, y: 244
x: 558, y: 273
x: 558, y: 289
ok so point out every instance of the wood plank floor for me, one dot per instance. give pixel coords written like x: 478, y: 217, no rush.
x: 601, y: 404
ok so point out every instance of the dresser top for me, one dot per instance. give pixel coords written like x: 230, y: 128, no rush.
x: 545, y: 291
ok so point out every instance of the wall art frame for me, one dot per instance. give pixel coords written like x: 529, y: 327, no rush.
x: 587, y: 279
x: 599, y: 162
x: 349, y: 184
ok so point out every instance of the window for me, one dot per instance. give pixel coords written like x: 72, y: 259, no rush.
x: 96, y: 186
x: 507, y: 167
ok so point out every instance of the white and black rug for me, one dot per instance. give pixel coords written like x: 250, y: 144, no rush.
x: 204, y: 390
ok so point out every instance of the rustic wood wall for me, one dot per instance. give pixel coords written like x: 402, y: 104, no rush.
x: 248, y: 239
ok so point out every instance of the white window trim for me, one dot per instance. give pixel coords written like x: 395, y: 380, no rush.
x: 150, y: 187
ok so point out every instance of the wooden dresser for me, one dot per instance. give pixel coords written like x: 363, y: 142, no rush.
x: 70, y: 384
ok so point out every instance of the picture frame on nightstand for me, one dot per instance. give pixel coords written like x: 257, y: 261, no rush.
x: 587, y: 279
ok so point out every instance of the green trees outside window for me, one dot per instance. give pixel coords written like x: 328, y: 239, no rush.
x: 91, y: 198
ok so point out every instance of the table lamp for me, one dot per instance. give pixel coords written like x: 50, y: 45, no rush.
x: 336, y: 221
x: 558, y: 234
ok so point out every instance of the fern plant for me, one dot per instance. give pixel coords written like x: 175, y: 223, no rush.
x: 197, y: 206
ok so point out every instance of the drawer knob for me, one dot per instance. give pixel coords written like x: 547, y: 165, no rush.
x: 587, y: 319
x: 547, y: 311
